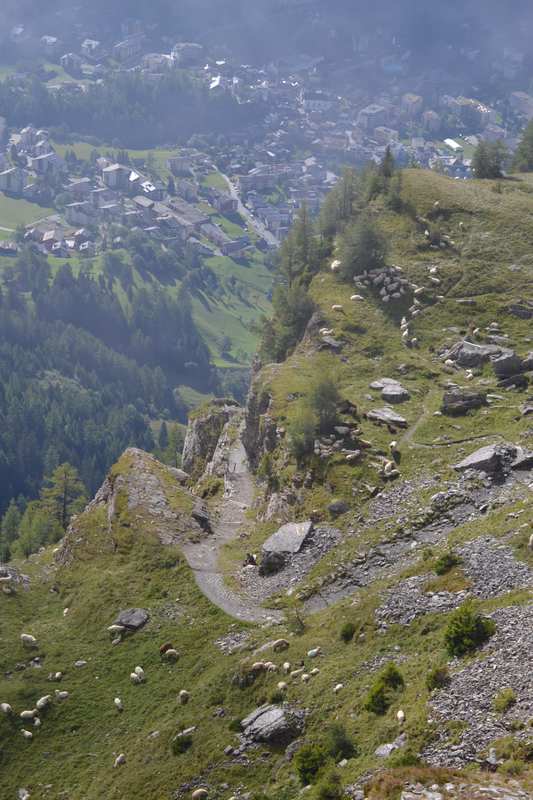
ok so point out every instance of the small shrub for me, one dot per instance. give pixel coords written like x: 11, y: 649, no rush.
x: 379, y: 698
x: 446, y: 562
x: 402, y: 758
x: 235, y: 726
x: 438, y: 678
x: 308, y: 761
x: 512, y: 767
x: 276, y: 697
x: 348, y: 632
x: 338, y: 743
x: 467, y: 631
x: 391, y: 676
x: 180, y: 744
x: 329, y: 787
x: 504, y: 700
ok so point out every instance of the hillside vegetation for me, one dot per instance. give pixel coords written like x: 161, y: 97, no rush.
x: 406, y: 614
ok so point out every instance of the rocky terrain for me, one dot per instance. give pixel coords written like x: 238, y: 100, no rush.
x: 354, y: 623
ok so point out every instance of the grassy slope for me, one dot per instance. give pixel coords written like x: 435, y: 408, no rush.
x: 15, y: 212
x: 141, y: 574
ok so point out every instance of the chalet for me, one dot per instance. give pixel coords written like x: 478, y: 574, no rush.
x: 72, y: 62
x: 91, y: 48
x: 80, y: 187
x: 47, y: 163
x: 80, y: 213
x: 129, y: 48
x: 12, y: 181
x: 116, y: 176
x: 145, y: 206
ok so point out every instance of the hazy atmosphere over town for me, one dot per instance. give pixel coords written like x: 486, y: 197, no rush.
x: 266, y: 400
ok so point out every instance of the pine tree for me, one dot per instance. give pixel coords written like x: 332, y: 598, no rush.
x: 386, y: 168
x: 488, y: 160
x: 11, y: 523
x: 523, y: 160
x: 63, y: 494
x: 363, y: 247
x: 163, y: 436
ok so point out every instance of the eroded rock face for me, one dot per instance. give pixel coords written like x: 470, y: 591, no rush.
x: 203, y: 435
x: 273, y: 724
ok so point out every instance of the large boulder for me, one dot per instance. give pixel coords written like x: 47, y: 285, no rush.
x: 273, y: 724
x: 493, y: 459
x: 459, y: 401
x: 388, y: 417
x: 204, y: 432
x: 289, y: 538
x: 469, y: 354
x: 507, y: 364
x: 132, y: 618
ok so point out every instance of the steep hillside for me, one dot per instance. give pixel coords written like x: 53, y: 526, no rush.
x: 289, y: 578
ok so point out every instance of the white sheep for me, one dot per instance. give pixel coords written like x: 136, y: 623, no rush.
x: 271, y: 667
x: 118, y: 704
x: 6, y: 709
x: 120, y: 760
x: 338, y: 688
x: 306, y: 677
x: 28, y: 640
x: 183, y: 697
x: 140, y: 672
x: 65, y: 611
x: 286, y: 667
x: 530, y: 544
x: 314, y: 652
x: 135, y: 679
x: 171, y: 655
x: 400, y: 716
x: 61, y: 696
x: 393, y: 448
x: 337, y: 307
x: 357, y: 297
x: 282, y: 686
x: 297, y: 672
x: 116, y: 629
x: 27, y: 734
x: 419, y: 291
x: 406, y: 334
x: 200, y: 794
x: 314, y: 672
x: 36, y: 722
x: 42, y: 702
x: 28, y: 714
x: 335, y: 265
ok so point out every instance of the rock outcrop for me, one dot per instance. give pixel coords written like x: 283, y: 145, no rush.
x: 203, y: 435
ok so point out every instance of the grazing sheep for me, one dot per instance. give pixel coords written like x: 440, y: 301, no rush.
x: 286, y: 667
x: 183, y: 697
x: 6, y: 709
x: 120, y: 760
x: 282, y: 686
x: 406, y: 334
x: 200, y: 794
x: 258, y: 666
x: 118, y: 704
x: 171, y: 655
x: 297, y: 672
x: 419, y: 291
x: 140, y: 672
x: 338, y: 688
x: 55, y: 677
x: 314, y: 652
x: 36, y: 722
x: 27, y: 734
x: 357, y: 297
x: 314, y: 672
x: 270, y: 666
x: 400, y: 716
x: 326, y: 331
x: 65, y: 611
x: 306, y: 678
x: 337, y: 308
x: 61, y: 696
x: 42, y: 702
x: 116, y: 629
x: 164, y: 647
x: 28, y: 714
x: 279, y: 645
x: 335, y: 265
x: 23, y: 794
x: 393, y: 449
x: 28, y: 640
x: 135, y: 679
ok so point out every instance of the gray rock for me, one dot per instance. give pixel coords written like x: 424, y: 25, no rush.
x: 201, y: 516
x: 289, y: 538
x: 523, y: 460
x: 527, y: 362
x: 459, y: 401
x: 468, y: 354
x: 329, y: 343
x: 338, y: 507
x: 388, y: 417
x: 272, y: 563
x: 273, y: 725
x: 180, y: 475
x: 381, y: 383
x: 132, y: 618
x: 395, y: 393
x: 494, y: 458
x: 507, y: 364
